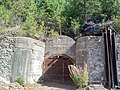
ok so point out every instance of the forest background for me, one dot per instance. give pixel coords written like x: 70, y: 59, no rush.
x: 48, y: 18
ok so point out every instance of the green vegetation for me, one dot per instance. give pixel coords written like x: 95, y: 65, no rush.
x: 59, y: 16
x: 20, y: 80
x: 79, y: 77
x: 80, y: 80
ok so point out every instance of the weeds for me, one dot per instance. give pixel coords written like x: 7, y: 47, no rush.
x: 79, y: 77
x: 20, y: 80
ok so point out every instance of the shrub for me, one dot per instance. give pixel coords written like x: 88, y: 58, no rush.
x: 79, y: 77
x: 76, y: 79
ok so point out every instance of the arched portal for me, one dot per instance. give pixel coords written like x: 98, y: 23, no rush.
x: 55, y: 69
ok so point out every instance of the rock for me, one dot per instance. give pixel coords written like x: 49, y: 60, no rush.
x: 15, y: 86
x: 3, y: 86
x: 96, y: 87
x: 34, y: 86
x: 90, y: 88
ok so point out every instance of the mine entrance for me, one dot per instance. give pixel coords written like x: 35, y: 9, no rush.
x: 55, y: 69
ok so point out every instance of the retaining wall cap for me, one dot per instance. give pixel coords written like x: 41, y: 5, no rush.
x: 27, y: 42
x: 61, y: 36
x: 86, y: 38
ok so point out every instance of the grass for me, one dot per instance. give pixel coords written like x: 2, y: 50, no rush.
x: 79, y: 77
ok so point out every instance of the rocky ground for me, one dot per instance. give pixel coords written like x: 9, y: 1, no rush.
x: 35, y: 86
x: 45, y: 86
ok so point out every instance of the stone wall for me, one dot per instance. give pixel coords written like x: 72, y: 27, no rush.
x: 6, y: 56
x: 118, y: 56
x: 90, y: 56
x: 21, y: 57
x: 60, y: 45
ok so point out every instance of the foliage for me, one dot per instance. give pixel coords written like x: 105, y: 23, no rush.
x: 44, y: 31
x: 77, y: 80
x: 20, y: 80
x: 15, y: 11
x: 79, y: 77
x: 50, y: 11
x: 115, y: 88
x: 59, y: 16
x: 30, y: 24
x: 97, y: 11
x: 117, y: 23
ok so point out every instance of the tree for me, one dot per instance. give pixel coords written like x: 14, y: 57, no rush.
x: 30, y: 23
x: 15, y: 11
x: 96, y: 10
x: 50, y: 11
x: 59, y: 16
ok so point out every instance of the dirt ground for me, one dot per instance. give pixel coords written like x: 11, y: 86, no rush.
x: 42, y: 86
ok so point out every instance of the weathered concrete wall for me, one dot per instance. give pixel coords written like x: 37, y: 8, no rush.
x: 28, y: 59
x: 21, y: 57
x: 26, y: 55
x: 60, y: 45
x: 90, y: 56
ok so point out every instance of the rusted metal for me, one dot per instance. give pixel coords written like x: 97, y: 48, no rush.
x: 110, y: 58
x: 56, y: 70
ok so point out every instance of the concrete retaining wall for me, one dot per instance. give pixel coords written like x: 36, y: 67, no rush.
x: 60, y: 45
x: 21, y: 57
x: 90, y: 56
x: 28, y: 59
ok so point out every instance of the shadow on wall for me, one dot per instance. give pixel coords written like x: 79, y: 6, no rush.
x: 60, y: 45
x: 60, y: 52
x: 55, y: 69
